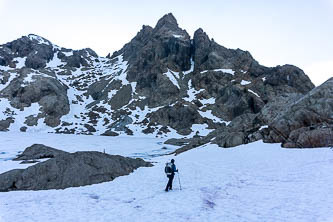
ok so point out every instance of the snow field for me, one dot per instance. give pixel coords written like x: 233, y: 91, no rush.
x: 254, y: 182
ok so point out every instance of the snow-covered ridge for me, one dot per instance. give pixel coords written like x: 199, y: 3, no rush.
x: 39, y: 39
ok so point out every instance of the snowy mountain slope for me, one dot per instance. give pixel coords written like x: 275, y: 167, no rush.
x: 254, y: 182
x: 76, y: 81
x: 163, y: 83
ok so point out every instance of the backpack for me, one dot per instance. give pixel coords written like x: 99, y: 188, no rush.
x: 168, y: 169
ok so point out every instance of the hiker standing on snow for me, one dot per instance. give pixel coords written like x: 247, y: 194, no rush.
x: 170, y: 170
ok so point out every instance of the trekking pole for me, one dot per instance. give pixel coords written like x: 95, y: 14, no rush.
x: 180, y: 186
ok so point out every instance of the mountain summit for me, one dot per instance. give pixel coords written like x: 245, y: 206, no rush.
x: 162, y: 83
x: 168, y: 21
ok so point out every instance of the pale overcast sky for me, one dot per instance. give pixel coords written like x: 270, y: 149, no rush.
x: 298, y: 32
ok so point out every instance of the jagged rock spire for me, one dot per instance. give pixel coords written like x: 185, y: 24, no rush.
x: 168, y: 21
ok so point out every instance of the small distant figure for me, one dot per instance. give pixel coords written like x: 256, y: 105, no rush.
x: 170, y: 169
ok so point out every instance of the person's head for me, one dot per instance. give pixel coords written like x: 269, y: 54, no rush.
x: 172, y: 161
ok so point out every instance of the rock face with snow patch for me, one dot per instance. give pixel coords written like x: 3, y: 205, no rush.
x: 34, y: 50
x: 65, y: 170
x: 32, y: 86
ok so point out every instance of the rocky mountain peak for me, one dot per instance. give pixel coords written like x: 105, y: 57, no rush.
x: 199, y: 34
x: 32, y: 51
x: 161, y: 81
x: 168, y: 21
x: 167, y: 28
x: 155, y: 50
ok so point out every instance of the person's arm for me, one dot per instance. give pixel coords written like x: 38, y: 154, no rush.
x: 174, y: 168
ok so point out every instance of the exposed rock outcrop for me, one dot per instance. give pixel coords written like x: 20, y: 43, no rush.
x: 4, y: 124
x: 39, y: 151
x: 208, y: 55
x: 178, y: 117
x: 303, y: 120
x: 67, y: 170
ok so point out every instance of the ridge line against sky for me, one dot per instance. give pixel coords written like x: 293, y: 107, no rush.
x: 275, y: 32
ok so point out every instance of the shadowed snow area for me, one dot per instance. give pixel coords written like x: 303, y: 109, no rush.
x: 254, y: 182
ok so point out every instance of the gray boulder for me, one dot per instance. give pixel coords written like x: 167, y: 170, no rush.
x: 109, y: 133
x: 39, y: 151
x: 177, y: 142
x: 121, y: 124
x: 70, y: 170
x: 230, y: 139
x: 310, y: 137
x: 121, y: 98
x: 4, y: 124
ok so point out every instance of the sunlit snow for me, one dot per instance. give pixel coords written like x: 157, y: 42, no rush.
x: 251, y: 91
x: 244, y: 82
x: 253, y: 182
x: 229, y: 71
x: 39, y: 39
x: 172, y: 77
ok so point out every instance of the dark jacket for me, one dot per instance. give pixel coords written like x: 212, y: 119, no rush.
x: 174, y: 169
